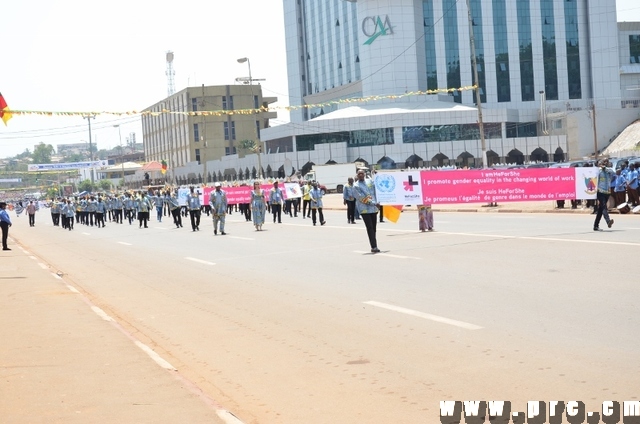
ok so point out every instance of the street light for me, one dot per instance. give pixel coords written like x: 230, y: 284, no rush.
x: 121, y: 153
x: 259, y: 146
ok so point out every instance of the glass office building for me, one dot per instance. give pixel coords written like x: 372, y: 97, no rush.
x: 529, y: 55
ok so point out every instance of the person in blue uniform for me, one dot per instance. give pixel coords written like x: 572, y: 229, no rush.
x: 5, y: 223
x: 194, y: 206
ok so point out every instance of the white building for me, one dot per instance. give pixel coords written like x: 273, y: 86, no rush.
x: 543, y: 67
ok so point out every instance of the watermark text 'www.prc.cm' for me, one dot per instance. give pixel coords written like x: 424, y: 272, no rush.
x: 538, y: 412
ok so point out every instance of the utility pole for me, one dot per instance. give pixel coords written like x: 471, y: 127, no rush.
x: 258, y: 143
x: 472, y: 41
x: 595, y: 131
x: 203, y: 138
x: 121, y: 155
x: 89, y: 118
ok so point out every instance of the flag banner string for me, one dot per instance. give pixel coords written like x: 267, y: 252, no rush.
x: 241, y: 111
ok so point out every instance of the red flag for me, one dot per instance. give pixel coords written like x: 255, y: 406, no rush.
x: 5, y: 115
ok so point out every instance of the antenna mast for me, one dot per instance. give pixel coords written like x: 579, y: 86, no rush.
x: 170, y: 73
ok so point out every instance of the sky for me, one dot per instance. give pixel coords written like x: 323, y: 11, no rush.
x: 72, y: 55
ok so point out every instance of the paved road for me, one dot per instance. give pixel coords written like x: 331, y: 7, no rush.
x: 300, y: 324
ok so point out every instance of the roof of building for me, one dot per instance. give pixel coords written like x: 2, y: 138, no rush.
x: 394, y: 108
x: 629, y: 139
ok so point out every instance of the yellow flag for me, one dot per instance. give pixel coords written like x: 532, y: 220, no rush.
x: 392, y: 212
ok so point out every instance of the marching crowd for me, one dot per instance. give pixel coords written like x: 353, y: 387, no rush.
x: 97, y: 210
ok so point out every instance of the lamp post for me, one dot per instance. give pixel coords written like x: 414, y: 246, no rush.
x: 89, y: 118
x: 121, y: 153
x: 259, y: 143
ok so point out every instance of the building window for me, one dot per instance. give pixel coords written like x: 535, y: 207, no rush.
x: 198, y: 155
x: 196, y: 133
x: 233, y: 130
x: 258, y: 129
x: 256, y: 102
x: 430, y: 46
x: 452, y: 48
x: 573, y: 49
x: 634, y: 48
x: 526, y: 50
x: 194, y: 104
x: 549, y: 49
x: 224, y: 103
x: 230, y: 102
x: 501, y: 44
x: 226, y: 131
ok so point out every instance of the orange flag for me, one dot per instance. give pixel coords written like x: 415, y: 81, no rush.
x: 392, y: 212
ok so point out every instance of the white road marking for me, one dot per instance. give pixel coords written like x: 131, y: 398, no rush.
x: 43, y: 266
x: 157, y: 358
x: 86, y: 234
x: 56, y: 276
x: 126, y: 244
x: 102, y: 314
x: 542, y: 238
x: 73, y: 289
x: 241, y: 238
x: 430, y: 317
x: 26, y: 252
x: 362, y: 252
x: 34, y: 258
x: 227, y: 417
x: 199, y: 261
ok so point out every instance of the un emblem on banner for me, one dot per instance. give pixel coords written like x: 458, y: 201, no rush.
x: 385, y: 183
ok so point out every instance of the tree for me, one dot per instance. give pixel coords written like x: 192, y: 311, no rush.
x: 105, y: 185
x: 42, y: 153
x: 85, y: 185
x: 24, y: 155
x: 73, y: 157
x: 249, y: 146
x: 102, y: 154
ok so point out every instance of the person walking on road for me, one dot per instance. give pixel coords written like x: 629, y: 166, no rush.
x: 605, y: 175
x: 258, y: 206
x: 31, y: 211
x: 175, y: 208
x: 193, y: 204
x: 5, y: 223
x: 316, y: 194
x: 367, y: 204
x: 350, y: 201
x: 218, y: 203
x: 306, y: 200
x: 276, y: 198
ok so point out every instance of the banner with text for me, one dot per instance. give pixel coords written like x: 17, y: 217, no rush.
x: 487, y: 185
x: 69, y: 165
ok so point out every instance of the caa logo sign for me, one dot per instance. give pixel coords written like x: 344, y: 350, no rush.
x: 373, y: 27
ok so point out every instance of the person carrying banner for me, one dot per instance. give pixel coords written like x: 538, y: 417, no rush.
x: 425, y: 218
